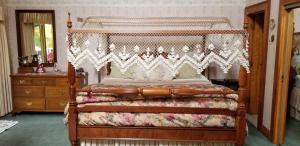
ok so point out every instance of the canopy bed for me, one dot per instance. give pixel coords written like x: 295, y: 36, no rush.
x: 161, y: 94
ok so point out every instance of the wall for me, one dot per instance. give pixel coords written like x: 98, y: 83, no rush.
x: 232, y: 9
x: 271, y: 57
x: 297, y: 20
x: 252, y: 2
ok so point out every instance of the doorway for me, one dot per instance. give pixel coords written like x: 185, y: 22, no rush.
x: 257, y: 66
x: 256, y: 19
x: 286, y: 126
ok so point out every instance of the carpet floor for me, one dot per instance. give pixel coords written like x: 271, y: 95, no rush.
x: 48, y: 129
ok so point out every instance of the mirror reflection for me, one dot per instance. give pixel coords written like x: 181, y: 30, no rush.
x: 36, y: 36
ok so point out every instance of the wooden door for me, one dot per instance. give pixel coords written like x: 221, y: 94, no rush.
x: 256, y: 61
x: 284, y: 62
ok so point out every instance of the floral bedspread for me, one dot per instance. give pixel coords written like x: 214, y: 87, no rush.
x: 219, y: 99
x: 155, y: 120
x: 183, y: 102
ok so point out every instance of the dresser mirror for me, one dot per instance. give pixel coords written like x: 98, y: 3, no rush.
x: 36, y: 37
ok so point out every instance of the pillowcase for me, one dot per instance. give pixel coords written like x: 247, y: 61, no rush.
x: 160, y: 73
x: 116, y: 73
x: 188, y: 72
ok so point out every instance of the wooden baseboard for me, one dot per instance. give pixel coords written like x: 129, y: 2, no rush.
x: 266, y: 132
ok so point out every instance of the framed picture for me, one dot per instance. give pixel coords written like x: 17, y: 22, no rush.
x: 296, y: 43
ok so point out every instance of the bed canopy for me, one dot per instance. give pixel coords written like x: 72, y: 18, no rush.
x: 154, y: 42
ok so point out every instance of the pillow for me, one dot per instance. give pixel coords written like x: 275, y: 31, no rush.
x: 116, y: 73
x: 187, y: 72
x: 160, y: 73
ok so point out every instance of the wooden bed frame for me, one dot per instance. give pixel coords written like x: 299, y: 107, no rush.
x: 234, y: 135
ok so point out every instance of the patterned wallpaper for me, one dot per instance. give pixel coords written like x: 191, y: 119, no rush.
x: 122, y: 3
x: 233, y: 9
x: 252, y: 2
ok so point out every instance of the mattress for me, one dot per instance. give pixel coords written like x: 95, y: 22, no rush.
x: 155, y: 120
x: 198, y: 102
x: 161, y: 119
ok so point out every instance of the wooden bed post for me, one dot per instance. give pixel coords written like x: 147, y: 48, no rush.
x: 72, y: 117
x: 241, y: 111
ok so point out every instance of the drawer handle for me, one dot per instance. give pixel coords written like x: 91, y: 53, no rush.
x: 27, y: 92
x: 62, y: 104
x: 29, y: 103
x: 44, y: 82
x: 21, y: 81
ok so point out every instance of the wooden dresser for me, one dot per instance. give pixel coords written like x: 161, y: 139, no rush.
x: 42, y: 92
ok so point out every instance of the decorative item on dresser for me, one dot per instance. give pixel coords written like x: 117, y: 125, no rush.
x: 42, y: 92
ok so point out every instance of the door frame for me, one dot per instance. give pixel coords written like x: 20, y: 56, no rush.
x: 262, y: 7
x: 279, y: 107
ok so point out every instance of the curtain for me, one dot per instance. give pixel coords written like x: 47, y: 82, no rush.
x: 5, y: 84
x: 43, y: 43
x: 41, y: 18
x: 27, y: 33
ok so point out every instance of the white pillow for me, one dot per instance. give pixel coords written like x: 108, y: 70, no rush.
x: 160, y: 73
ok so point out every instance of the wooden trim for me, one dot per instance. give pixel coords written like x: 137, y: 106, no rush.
x: 265, y: 131
x: 157, y: 133
x: 280, y: 46
x: 256, y: 8
x: 263, y: 7
x: 72, y: 117
x: 17, y: 13
x: 288, y: 2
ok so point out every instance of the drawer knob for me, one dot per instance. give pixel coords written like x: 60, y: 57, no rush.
x: 27, y: 92
x: 28, y: 103
x: 21, y: 81
x: 62, y: 104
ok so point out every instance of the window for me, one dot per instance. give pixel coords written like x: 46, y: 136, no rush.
x: 43, y: 42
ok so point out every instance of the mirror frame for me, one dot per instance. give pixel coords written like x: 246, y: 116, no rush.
x: 17, y: 13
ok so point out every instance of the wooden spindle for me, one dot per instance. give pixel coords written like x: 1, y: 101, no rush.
x: 72, y: 117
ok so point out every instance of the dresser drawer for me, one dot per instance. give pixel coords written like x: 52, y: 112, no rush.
x: 29, y: 103
x: 56, y: 104
x: 57, y: 92
x: 28, y: 91
x: 43, y: 81
x: 21, y: 81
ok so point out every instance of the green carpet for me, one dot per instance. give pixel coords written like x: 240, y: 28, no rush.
x: 48, y: 129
